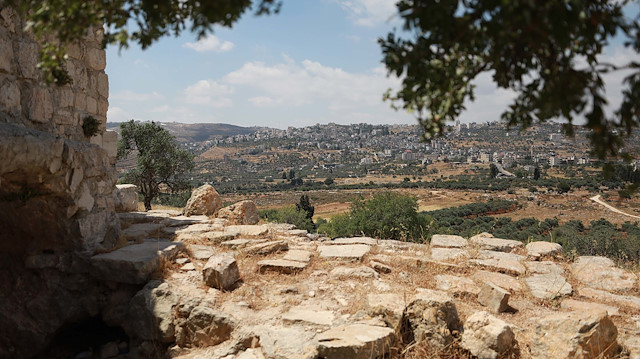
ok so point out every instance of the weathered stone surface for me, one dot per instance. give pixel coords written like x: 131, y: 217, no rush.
x: 495, y: 244
x: 380, y: 268
x: 432, y: 316
x: 357, y: 272
x: 41, y: 106
x: 355, y: 341
x: 247, y: 230
x: 543, y: 249
x: 150, y: 316
x: 126, y: 198
x: 308, y: 316
x: 389, y: 306
x: 348, y: 251
x: 494, y: 297
x: 244, y: 212
x: 241, y: 242
x: 133, y: 264
x: 548, y: 285
x: 206, y: 327
x: 627, y: 301
x: 355, y: 240
x: 486, y: 336
x: 578, y: 306
x: 286, y: 342
x: 221, y: 272
x: 10, y: 98
x: 201, y: 252
x: 448, y: 254
x: 448, y: 241
x: 298, y: 255
x: 501, y: 280
x: 141, y: 231
x: 204, y: 200
x: 281, y: 265
x: 501, y: 262
x: 456, y: 285
x: 543, y: 267
x: 266, y: 248
x: 601, y: 273
x: 575, y: 335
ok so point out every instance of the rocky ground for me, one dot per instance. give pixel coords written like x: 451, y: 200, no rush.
x: 272, y: 291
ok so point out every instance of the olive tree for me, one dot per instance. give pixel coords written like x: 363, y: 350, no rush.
x: 160, y: 161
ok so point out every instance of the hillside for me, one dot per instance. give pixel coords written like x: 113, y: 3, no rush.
x: 197, y: 132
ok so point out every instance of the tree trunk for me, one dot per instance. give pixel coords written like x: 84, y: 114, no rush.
x: 147, y: 203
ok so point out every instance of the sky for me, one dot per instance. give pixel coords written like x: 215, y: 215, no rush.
x: 317, y: 61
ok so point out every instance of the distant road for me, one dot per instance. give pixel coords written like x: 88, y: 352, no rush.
x: 502, y: 170
x: 610, y: 207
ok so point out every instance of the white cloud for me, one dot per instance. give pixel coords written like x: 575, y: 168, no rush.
x: 369, y: 12
x: 210, y: 43
x: 160, y: 109
x: 128, y: 95
x: 118, y: 114
x: 263, y: 101
x: 208, y: 93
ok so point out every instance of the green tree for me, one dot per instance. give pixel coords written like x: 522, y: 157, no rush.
x: 548, y: 52
x: 69, y: 20
x: 328, y: 181
x: 304, y: 205
x: 160, y: 161
x: 536, y: 173
x: 493, y: 171
x: 289, y: 215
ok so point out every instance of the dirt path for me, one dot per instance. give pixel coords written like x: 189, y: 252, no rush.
x: 612, y: 208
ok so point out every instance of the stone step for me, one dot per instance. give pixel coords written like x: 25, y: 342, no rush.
x: 353, y: 252
x: 133, y: 264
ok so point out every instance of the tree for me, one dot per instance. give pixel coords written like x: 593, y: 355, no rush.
x: 69, y: 20
x: 536, y: 173
x: 328, y: 181
x: 305, y: 205
x: 548, y: 52
x: 160, y: 161
x: 493, y: 171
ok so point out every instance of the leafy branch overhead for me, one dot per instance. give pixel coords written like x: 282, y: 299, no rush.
x: 548, y: 52
x: 124, y: 21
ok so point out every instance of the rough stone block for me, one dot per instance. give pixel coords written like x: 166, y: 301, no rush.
x: 486, y: 336
x: 221, y: 272
x: 494, y: 297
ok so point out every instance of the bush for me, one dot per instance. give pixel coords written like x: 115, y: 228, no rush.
x: 289, y: 215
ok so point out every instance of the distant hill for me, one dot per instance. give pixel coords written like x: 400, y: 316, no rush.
x: 197, y: 132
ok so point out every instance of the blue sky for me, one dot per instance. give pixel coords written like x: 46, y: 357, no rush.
x: 317, y: 61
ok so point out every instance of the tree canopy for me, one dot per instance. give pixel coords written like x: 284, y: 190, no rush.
x: 137, y: 21
x: 159, y: 159
x: 548, y: 52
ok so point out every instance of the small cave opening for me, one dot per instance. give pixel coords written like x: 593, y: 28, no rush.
x: 88, y: 339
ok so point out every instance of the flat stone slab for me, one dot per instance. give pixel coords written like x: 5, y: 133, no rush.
x: 456, y: 285
x: 578, y: 306
x: 266, y: 248
x: 486, y: 254
x: 601, y: 273
x: 501, y: 280
x: 281, y: 265
x: 298, y: 255
x: 357, y: 272
x: 297, y: 232
x: 129, y: 218
x: 178, y: 221
x: 543, y: 267
x: 308, y: 316
x: 448, y: 254
x: 346, y: 251
x: 355, y: 240
x: 133, y: 264
x: 448, y: 241
x: 241, y: 242
x: 140, y: 231
x: 548, y: 285
x: 196, y: 228
x: 628, y: 301
x: 201, y: 252
x: 355, y: 341
x: 501, y: 265
x: 248, y: 230
x: 543, y: 249
x: 495, y: 244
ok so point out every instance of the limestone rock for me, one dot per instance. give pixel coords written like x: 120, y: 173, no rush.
x: 543, y: 249
x: 355, y: 240
x: 501, y: 280
x: 353, y: 252
x: 389, y: 306
x: 126, y: 198
x: 432, y: 316
x: 486, y: 336
x: 221, y: 272
x: 494, y: 297
x: 448, y: 254
x: 448, y: 241
x: 247, y: 230
x: 241, y: 242
x: 357, y: 272
x: 601, y: 273
x: 266, y: 248
x: 150, y: 316
x: 308, y: 316
x: 355, y: 341
x: 502, y: 262
x: 548, y: 285
x: 495, y: 244
x: 244, y: 212
x: 298, y: 255
x: 141, y: 231
x: 575, y: 335
x: 379, y: 267
x: 204, y: 200
x: 456, y: 285
x: 201, y: 252
x: 544, y: 267
x: 281, y: 265
x: 628, y: 301
x: 578, y: 306
x: 133, y: 264
x: 206, y: 327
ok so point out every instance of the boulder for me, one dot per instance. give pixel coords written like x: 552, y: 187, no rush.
x: 389, y: 306
x: 125, y: 198
x: 575, y: 335
x: 150, y: 313
x: 494, y: 297
x: 355, y: 341
x: 204, y: 200
x: 221, y: 272
x: 487, y: 337
x: 448, y: 241
x: 543, y: 249
x: 206, y: 327
x: 432, y: 316
x: 244, y: 212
